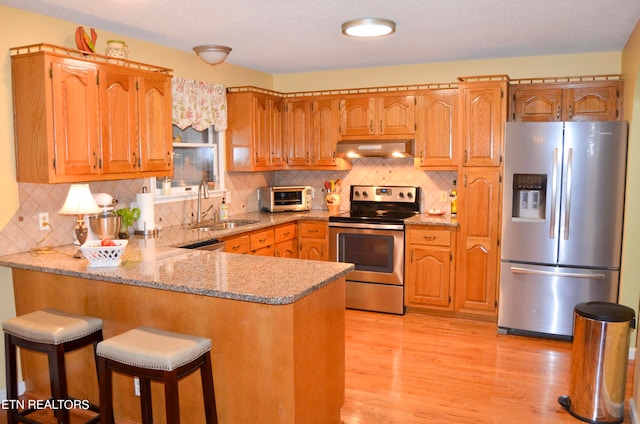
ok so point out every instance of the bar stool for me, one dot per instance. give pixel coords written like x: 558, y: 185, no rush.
x: 55, y: 333
x: 153, y: 354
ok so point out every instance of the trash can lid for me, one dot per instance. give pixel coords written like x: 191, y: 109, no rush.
x: 605, y: 311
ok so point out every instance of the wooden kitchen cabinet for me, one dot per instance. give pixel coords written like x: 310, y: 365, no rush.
x: 324, y: 134
x: 298, y: 132
x: 313, y: 243
x: 483, y: 112
x: 437, y: 129
x: 286, y: 241
x: 575, y: 101
x: 478, y: 251
x: 71, y: 124
x: 237, y: 244
x: 429, y: 268
x: 392, y: 115
x: 255, y: 131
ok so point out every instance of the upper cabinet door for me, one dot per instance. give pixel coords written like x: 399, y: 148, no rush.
x: 395, y: 115
x: 483, y: 114
x: 593, y: 102
x: 75, y: 118
x: 155, y: 114
x: 437, y: 129
x: 356, y: 116
x: 537, y: 104
x: 119, y: 121
x: 325, y: 131
x: 298, y: 118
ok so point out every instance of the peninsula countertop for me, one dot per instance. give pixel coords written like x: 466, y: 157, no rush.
x: 251, y: 278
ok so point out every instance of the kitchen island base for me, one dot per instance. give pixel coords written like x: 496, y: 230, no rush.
x: 271, y: 363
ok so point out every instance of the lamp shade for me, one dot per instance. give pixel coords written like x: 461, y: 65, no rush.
x: 79, y: 201
x: 212, y: 54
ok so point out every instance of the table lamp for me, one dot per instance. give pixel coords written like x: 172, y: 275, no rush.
x: 80, y: 202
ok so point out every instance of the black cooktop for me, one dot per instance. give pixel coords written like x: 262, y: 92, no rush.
x: 380, y: 204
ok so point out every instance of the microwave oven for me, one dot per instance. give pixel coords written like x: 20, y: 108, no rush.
x: 285, y: 199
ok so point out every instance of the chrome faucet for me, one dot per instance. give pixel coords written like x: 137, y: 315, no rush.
x: 202, y: 188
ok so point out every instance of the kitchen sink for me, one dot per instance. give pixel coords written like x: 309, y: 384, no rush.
x: 221, y: 225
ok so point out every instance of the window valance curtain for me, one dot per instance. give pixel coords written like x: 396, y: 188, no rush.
x: 198, y: 104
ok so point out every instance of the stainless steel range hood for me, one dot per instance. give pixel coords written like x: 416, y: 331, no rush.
x: 389, y: 148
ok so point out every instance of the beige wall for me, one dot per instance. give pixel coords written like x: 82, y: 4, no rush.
x: 630, y: 288
x: 22, y: 28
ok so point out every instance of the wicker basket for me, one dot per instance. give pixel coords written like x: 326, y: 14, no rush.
x: 99, y: 255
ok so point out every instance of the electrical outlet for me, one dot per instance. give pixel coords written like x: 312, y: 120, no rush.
x: 227, y: 197
x: 136, y: 386
x: 43, y: 220
x: 444, y: 196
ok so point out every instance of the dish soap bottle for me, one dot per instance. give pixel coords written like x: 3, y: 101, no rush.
x: 224, y: 210
x: 453, y: 197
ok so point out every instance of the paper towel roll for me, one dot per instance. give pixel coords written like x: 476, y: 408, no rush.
x: 146, y: 222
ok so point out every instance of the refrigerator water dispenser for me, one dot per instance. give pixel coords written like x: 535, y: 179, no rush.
x: 529, y: 196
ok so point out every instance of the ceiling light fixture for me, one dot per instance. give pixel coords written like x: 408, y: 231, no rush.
x: 212, y: 54
x: 368, y: 27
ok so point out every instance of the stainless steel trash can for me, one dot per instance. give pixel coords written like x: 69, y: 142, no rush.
x: 599, y: 359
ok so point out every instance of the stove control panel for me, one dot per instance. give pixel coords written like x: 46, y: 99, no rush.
x: 404, y: 194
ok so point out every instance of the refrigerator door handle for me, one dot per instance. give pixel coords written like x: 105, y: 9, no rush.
x: 554, y: 194
x: 518, y: 270
x: 567, y: 203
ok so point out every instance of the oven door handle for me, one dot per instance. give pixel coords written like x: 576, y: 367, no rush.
x: 396, y: 227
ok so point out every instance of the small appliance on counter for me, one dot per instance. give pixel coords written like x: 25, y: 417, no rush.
x: 285, y: 199
x: 105, y: 225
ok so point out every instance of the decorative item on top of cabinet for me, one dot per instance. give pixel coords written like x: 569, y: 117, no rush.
x: 255, y: 129
x: 382, y: 115
x: 71, y: 107
x: 483, y: 112
x: 430, y: 268
x: 478, y: 249
x: 313, y: 240
x: 586, y: 98
x: 437, y: 129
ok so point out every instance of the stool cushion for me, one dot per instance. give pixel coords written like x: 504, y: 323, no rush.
x: 150, y: 348
x: 51, y: 326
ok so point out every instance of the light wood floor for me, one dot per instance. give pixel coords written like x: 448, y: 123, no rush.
x: 424, y: 369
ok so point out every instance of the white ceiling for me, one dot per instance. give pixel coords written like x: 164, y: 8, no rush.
x: 285, y: 36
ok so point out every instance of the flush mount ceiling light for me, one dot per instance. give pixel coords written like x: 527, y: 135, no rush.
x: 212, y: 54
x: 368, y: 27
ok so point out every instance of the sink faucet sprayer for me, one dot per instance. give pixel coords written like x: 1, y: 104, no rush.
x: 202, y: 187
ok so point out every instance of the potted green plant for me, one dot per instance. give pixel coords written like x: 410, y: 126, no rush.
x: 127, y: 217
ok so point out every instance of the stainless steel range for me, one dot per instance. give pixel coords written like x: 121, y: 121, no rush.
x: 371, y: 236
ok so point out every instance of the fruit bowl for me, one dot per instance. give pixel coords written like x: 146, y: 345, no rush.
x: 100, y: 255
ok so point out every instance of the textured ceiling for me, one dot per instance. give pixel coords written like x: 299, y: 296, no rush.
x: 285, y: 36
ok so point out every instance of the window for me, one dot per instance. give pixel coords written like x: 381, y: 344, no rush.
x: 196, y: 154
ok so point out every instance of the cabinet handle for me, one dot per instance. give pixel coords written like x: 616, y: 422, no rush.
x: 286, y: 234
x: 465, y: 155
x: 235, y: 247
x: 570, y: 112
x: 429, y: 238
x: 169, y: 157
x: 381, y: 126
x: 312, y: 231
x: 558, y: 114
x: 262, y: 240
x: 135, y: 161
x: 371, y: 127
x: 95, y: 160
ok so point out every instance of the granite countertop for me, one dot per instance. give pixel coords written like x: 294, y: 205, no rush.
x: 445, y: 220
x: 158, y: 262
x: 259, y: 279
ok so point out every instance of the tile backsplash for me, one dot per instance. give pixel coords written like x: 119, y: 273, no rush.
x: 22, y: 234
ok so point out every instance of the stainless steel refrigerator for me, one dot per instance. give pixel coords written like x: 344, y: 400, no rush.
x: 562, y: 220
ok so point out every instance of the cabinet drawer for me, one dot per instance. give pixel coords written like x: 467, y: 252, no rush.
x: 262, y: 239
x: 313, y: 229
x: 237, y: 245
x: 430, y: 237
x: 285, y: 232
